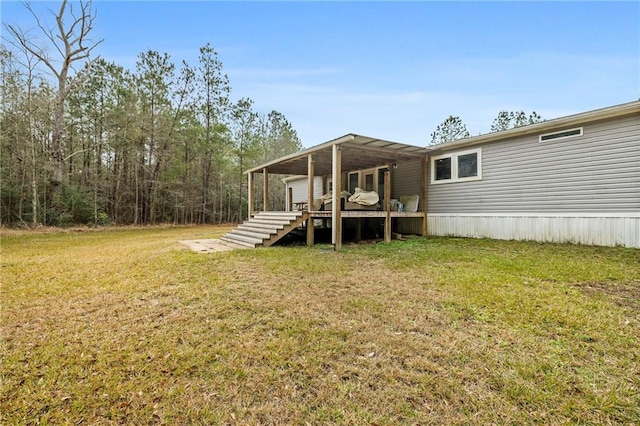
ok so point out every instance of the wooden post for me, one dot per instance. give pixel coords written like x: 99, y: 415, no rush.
x: 265, y: 190
x: 290, y: 198
x: 251, y: 194
x: 424, y: 194
x: 336, y: 217
x: 325, y: 186
x: 310, y: 189
x: 387, y: 206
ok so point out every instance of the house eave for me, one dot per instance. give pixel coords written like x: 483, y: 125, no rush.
x: 358, y: 152
x: 543, y: 127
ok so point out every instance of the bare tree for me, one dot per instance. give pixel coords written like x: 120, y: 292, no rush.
x: 71, y: 43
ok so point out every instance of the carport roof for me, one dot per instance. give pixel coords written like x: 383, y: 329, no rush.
x: 358, y: 153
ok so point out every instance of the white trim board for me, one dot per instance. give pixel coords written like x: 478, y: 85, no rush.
x: 453, y: 156
x: 598, y: 230
x: 540, y: 215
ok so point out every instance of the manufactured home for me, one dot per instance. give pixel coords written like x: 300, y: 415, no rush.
x: 573, y: 179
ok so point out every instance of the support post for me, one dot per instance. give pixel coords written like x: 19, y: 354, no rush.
x: 310, y: 201
x: 251, y: 195
x: 387, y: 206
x: 325, y: 189
x: 265, y: 190
x: 290, y: 199
x: 424, y: 194
x: 336, y: 217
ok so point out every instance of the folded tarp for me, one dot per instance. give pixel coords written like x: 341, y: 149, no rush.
x: 327, y: 199
x: 364, y: 198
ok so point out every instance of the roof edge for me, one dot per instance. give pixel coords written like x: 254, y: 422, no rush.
x: 337, y: 141
x: 569, y: 120
x: 346, y: 139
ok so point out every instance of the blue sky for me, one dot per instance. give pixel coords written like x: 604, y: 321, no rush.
x: 392, y: 70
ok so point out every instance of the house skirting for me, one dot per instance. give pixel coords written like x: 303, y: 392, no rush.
x: 606, y: 229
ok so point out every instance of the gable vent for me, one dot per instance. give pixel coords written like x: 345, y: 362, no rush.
x: 561, y: 135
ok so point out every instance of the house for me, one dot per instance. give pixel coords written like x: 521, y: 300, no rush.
x: 572, y: 179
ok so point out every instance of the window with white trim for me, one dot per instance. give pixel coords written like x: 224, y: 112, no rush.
x: 564, y: 134
x: 461, y: 166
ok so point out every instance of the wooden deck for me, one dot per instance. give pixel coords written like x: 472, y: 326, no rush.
x: 334, y: 160
x: 327, y: 217
x: 365, y: 213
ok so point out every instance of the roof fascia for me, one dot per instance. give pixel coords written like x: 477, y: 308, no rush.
x: 342, y: 139
x: 570, y: 120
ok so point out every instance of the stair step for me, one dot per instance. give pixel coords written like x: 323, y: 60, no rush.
x: 263, y: 229
x: 273, y: 223
x: 261, y: 225
x: 260, y: 235
x: 276, y: 215
x: 237, y: 242
x: 281, y: 218
x: 258, y: 227
x: 244, y: 238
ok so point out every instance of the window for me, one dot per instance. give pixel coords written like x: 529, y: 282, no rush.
x: 442, y: 168
x: 381, y: 172
x: 561, y: 135
x: 468, y: 165
x: 457, y: 167
x: 368, y: 182
x: 353, y: 181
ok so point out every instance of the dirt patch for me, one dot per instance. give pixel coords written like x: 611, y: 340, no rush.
x: 622, y: 294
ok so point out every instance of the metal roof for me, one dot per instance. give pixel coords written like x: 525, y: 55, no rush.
x: 358, y: 153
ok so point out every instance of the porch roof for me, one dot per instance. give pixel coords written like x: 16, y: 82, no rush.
x: 358, y: 153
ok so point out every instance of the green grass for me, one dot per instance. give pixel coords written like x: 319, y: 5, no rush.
x: 126, y: 326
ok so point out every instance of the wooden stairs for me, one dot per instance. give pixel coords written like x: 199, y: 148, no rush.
x: 265, y: 228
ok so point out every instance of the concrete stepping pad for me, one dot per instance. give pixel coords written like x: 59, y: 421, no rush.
x: 210, y: 246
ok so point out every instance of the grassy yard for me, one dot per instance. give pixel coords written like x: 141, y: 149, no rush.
x: 126, y: 326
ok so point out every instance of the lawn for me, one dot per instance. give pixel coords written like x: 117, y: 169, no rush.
x: 126, y: 326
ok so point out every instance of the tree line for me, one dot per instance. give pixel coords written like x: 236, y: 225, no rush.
x: 453, y: 128
x: 103, y: 144
x: 88, y: 141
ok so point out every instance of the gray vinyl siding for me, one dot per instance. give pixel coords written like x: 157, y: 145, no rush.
x: 406, y: 180
x: 598, y: 172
